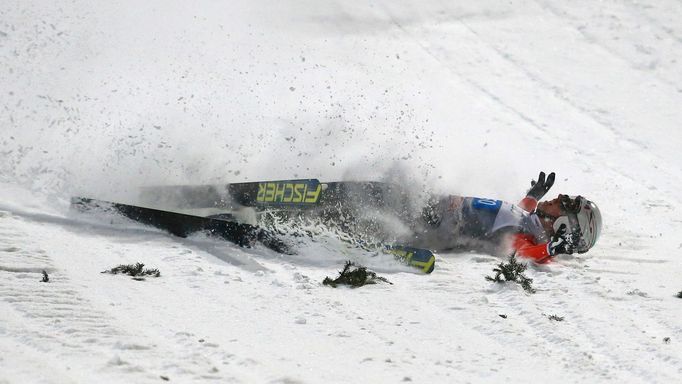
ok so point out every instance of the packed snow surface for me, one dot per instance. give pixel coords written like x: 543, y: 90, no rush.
x: 471, y: 98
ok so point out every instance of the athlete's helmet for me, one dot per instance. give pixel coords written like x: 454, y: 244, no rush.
x: 582, y: 219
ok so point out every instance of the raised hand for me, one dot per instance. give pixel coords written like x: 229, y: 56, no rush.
x: 539, y: 188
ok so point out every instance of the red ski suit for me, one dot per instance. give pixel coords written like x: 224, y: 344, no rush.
x: 524, y: 244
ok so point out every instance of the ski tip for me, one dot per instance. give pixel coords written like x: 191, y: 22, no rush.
x: 422, y: 259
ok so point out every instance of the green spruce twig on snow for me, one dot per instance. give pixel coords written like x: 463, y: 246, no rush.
x: 512, y: 271
x: 137, y: 270
x: 355, y: 276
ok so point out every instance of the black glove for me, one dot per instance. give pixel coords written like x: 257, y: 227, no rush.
x: 561, y: 242
x: 539, y: 188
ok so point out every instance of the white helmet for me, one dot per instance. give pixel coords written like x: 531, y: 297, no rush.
x: 582, y: 219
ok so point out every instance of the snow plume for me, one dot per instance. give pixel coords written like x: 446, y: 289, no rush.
x: 105, y: 101
x: 324, y: 242
x: 103, y: 106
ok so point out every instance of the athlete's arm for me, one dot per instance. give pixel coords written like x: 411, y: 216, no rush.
x: 525, y: 246
x: 537, y: 190
x: 528, y: 204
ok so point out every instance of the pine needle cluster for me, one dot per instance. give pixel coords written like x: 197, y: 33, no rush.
x: 355, y: 276
x: 513, y: 271
x: 136, y: 270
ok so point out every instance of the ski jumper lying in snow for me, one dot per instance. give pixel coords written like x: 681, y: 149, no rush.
x: 378, y: 212
x: 532, y: 229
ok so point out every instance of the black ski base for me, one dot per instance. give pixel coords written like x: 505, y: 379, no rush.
x: 183, y: 225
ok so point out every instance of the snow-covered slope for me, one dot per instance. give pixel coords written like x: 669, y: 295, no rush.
x: 469, y: 98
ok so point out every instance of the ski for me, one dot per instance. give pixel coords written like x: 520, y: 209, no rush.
x: 299, y: 193
x: 292, y: 194
x: 183, y: 225
x: 420, y: 258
